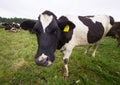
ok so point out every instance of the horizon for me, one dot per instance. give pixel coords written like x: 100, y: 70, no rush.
x: 32, y: 8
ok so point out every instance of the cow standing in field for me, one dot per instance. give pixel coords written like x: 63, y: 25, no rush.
x: 68, y: 32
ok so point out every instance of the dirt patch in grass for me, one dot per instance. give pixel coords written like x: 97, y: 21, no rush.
x: 18, y: 64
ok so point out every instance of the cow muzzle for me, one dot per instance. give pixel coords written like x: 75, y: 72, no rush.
x: 43, y: 61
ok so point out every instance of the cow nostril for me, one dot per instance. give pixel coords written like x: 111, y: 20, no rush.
x: 44, y: 62
x: 42, y: 57
x: 47, y: 59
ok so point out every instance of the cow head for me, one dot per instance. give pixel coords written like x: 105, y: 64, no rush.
x: 115, y: 32
x: 48, y: 31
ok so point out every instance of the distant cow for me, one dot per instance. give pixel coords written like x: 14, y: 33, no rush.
x: 7, y: 26
x: 14, y: 27
x: 1, y: 25
x: 68, y: 32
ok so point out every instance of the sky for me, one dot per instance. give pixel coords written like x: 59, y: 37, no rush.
x: 32, y: 8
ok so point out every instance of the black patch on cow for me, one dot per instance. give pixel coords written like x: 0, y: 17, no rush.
x: 7, y: 26
x: 37, y: 27
x: 48, y: 13
x: 111, y: 20
x: 115, y: 30
x: 66, y: 61
x: 63, y: 18
x: 63, y: 21
x: 28, y: 25
x: 95, y: 31
x: 90, y: 16
x: 65, y: 37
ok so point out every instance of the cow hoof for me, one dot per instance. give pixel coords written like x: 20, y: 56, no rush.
x: 85, y: 53
x: 93, y: 55
x: 65, y: 75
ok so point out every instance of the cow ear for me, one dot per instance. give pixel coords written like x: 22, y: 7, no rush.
x: 28, y: 25
x: 66, y: 26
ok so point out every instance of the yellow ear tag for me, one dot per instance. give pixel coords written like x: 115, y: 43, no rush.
x: 66, y: 29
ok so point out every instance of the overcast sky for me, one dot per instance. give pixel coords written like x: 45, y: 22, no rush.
x: 32, y: 8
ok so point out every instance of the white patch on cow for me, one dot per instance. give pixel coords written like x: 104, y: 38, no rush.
x: 45, y: 20
x: 43, y: 56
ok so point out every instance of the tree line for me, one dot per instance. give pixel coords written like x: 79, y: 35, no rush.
x: 10, y: 20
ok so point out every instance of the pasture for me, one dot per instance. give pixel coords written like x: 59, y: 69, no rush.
x: 17, y: 66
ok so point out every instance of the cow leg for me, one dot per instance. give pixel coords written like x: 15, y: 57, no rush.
x: 87, y: 49
x: 66, y: 71
x: 67, y: 52
x: 95, y: 49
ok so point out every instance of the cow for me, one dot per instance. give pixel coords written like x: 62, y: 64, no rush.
x: 7, y: 26
x: 65, y: 33
x: 13, y: 27
x: 115, y: 32
x: 1, y: 25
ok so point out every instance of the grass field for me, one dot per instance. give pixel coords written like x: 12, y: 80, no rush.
x: 17, y: 66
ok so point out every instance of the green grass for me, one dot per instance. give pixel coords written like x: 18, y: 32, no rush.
x: 17, y: 66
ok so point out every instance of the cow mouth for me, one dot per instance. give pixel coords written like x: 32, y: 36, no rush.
x: 44, y: 61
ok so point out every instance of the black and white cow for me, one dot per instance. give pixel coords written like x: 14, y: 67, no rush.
x: 1, y: 25
x: 7, y: 26
x: 68, y: 32
x: 13, y: 27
